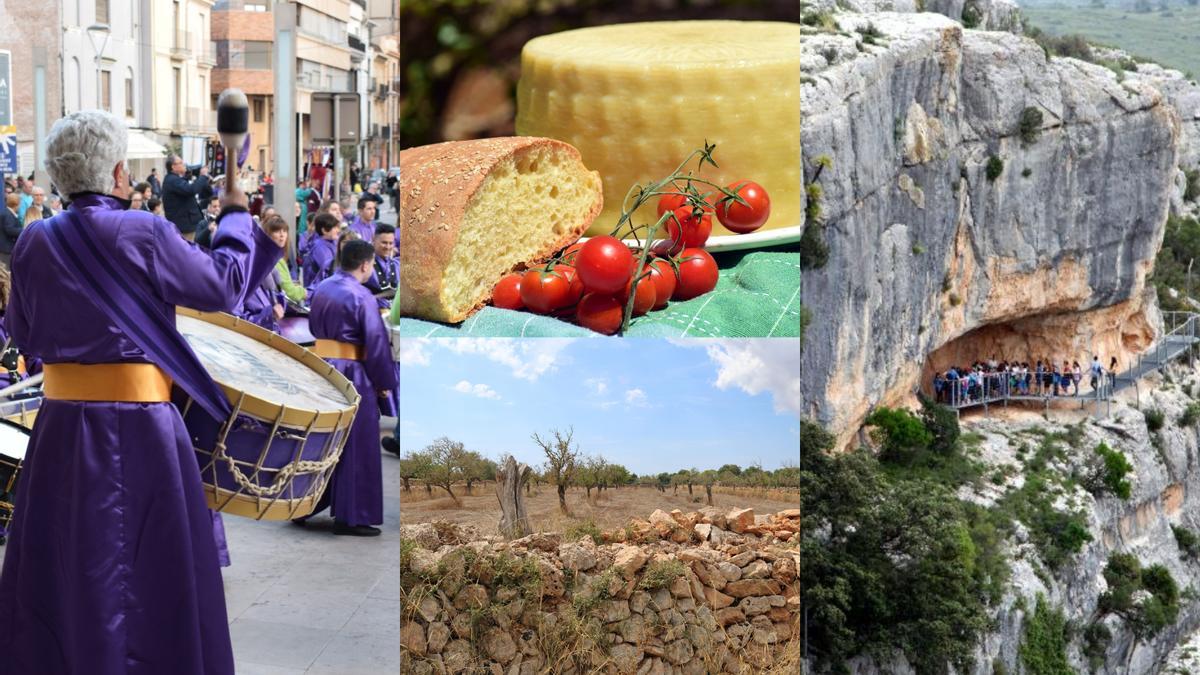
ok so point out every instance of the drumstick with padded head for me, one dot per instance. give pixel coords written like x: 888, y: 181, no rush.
x: 233, y: 123
x: 22, y: 385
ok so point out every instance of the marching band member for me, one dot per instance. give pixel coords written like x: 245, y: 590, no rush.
x: 386, y: 275
x: 364, y: 223
x: 350, y: 335
x: 111, y: 567
x: 323, y: 251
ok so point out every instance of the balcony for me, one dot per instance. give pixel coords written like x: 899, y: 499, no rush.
x: 207, y: 54
x: 386, y: 132
x: 181, y: 48
x: 356, y: 43
x: 381, y: 91
x: 200, y: 119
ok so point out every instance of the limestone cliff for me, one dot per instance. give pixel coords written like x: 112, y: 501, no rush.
x: 973, y: 183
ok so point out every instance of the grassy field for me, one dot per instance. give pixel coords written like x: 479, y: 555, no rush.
x: 610, y: 511
x: 1171, y: 38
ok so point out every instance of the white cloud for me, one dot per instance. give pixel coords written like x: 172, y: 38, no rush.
x: 757, y: 366
x: 597, y: 385
x: 412, y: 352
x: 635, y: 397
x: 480, y: 390
x: 528, y: 359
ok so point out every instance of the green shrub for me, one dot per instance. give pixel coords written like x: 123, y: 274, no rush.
x: 1189, y: 543
x: 942, y: 424
x: 805, y: 318
x: 901, y: 433
x: 995, y: 166
x: 814, y: 252
x: 586, y: 528
x: 1111, y: 474
x: 1154, y: 419
x: 1044, y: 649
x: 1096, y: 638
x: 955, y: 301
x: 1192, y: 191
x: 1190, y: 415
x: 1026, y: 172
x: 660, y: 574
x: 1031, y: 124
x: 918, y: 249
x: 1125, y: 577
x: 970, y: 15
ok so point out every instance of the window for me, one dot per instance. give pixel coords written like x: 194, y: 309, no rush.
x: 177, y: 101
x: 75, y: 95
x: 106, y: 90
x: 129, y: 93
x: 102, y: 11
x: 258, y: 109
x: 256, y: 55
x: 262, y: 159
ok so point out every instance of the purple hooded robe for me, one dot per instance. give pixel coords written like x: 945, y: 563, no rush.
x: 344, y: 310
x: 112, y: 567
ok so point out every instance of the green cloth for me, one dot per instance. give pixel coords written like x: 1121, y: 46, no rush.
x: 757, y: 295
x: 294, y: 291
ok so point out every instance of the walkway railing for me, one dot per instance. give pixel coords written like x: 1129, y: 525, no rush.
x: 1182, y: 331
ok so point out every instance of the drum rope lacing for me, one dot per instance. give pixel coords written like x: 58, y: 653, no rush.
x: 285, y: 474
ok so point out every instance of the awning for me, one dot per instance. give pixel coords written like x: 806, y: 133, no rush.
x: 141, y: 147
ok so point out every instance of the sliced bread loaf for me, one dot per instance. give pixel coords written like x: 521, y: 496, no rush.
x: 472, y: 211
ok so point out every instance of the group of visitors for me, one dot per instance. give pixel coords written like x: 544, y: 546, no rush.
x: 987, y: 380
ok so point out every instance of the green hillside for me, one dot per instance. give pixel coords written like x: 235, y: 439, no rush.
x: 1171, y: 38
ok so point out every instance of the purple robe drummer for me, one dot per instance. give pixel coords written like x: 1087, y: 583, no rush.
x: 386, y: 275
x: 323, y: 251
x: 352, y: 337
x: 111, y: 566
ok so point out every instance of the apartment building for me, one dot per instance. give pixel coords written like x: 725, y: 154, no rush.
x: 34, y: 34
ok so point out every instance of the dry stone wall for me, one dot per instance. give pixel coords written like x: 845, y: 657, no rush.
x: 702, y: 592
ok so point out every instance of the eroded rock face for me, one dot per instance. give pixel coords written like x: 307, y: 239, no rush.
x: 1069, y: 226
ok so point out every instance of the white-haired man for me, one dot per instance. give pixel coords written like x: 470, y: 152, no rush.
x: 112, y: 566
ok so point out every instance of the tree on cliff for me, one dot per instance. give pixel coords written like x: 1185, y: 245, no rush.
x: 889, y: 564
x: 560, y: 461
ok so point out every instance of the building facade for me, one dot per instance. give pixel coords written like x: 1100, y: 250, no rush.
x: 33, y: 33
x: 182, y: 58
x: 383, y: 144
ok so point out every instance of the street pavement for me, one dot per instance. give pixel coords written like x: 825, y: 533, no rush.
x: 303, y: 601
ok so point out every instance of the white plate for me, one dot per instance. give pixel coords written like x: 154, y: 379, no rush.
x: 738, y: 242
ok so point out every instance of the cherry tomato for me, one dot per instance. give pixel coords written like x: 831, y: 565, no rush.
x: 697, y: 274
x: 647, y: 295
x: 663, y: 276
x: 600, y: 312
x: 570, y: 253
x: 604, y: 264
x: 672, y: 244
x: 572, y: 277
x: 544, y: 292
x: 670, y: 202
x: 742, y: 219
x: 508, y: 293
x: 695, y: 231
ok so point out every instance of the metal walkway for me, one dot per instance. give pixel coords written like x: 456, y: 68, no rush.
x: 1182, y: 330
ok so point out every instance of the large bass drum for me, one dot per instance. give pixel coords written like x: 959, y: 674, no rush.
x: 275, y: 454
x: 14, y: 440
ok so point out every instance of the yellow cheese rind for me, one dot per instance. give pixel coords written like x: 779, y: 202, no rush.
x: 636, y: 99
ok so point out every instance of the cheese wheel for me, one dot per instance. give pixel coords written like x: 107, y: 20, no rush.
x: 472, y: 211
x: 637, y: 98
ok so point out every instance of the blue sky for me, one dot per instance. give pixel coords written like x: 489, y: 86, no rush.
x: 651, y: 405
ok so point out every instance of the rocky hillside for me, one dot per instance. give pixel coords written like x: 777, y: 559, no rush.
x: 1114, y: 629
x: 973, y: 194
x: 693, y: 597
